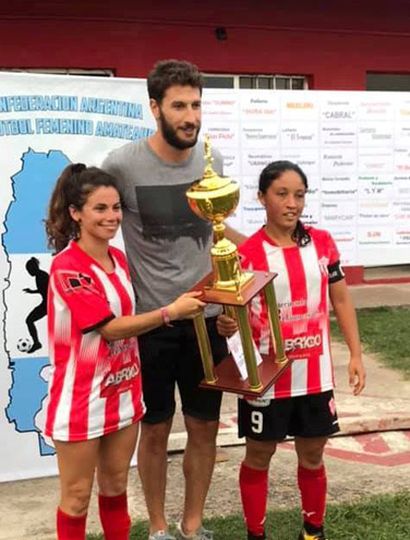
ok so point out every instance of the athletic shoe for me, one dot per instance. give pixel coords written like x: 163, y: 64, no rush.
x: 316, y: 536
x: 201, y: 534
x: 253, y: 537
x: 161, y: 535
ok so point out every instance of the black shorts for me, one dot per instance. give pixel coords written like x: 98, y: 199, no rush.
x: 170, y: 355
x: 313, y: 415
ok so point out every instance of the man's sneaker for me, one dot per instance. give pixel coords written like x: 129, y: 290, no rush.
x: 316, y: 536
x: 201, y: 534
x: 161, y: 535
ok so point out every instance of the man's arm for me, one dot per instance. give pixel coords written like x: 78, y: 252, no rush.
x: 234, y: 236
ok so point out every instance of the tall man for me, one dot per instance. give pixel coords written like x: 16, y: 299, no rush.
x: 168, y: 250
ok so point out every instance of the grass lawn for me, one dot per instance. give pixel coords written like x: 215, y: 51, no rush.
x: 377, y: 518
x: 385, y: 331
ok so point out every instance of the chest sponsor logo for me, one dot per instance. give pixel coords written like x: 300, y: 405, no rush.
x: 303, y: 342
x: 125, y: 374
x: 119, y: 381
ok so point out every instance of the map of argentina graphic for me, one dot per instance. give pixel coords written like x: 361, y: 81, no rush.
x: 24, y: 298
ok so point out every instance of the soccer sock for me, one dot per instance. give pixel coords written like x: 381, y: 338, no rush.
x: 313, y: 486
x: 70, y: 527
x: 114, y: 516
x: 254, y: 494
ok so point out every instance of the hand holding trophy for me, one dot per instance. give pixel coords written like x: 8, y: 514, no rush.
x: 214, y: 198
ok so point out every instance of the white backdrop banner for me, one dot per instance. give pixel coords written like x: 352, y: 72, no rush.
x: 354, y: 147
x: 46, y: 122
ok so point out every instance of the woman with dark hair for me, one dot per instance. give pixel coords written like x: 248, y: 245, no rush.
x: 94, y: 401
x: 301, y: 403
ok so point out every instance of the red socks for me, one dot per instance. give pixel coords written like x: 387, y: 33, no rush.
x: 70, y: 527
x: 313, y: 487
x: 254, y: 493
x: 114, y: 516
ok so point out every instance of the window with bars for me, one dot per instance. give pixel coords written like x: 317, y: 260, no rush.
x: 266, y: 82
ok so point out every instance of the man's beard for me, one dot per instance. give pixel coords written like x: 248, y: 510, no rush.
x: 171, y: 136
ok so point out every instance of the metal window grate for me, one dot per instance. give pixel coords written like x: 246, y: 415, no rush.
x: 266, y: 82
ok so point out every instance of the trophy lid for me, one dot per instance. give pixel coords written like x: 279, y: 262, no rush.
x: 211, y: 184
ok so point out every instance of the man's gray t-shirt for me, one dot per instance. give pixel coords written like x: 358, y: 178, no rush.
x: 167, y: 245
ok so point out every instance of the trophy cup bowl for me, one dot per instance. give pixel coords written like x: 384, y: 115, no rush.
x: 214, y: 198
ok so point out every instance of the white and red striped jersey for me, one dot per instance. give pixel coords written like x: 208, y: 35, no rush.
x: 95, y: 385
x: 301, y: 288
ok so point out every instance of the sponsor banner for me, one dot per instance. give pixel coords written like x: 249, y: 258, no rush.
x: 376, y: 135
x: 259, y: 134
x: 378, y: 106
x: 223, y: 135
x: 254, y: 160
x: 339, y: 135
x: 339, y: 161
x: 338, y: 213
x: 376, y: 186
x: 378, y: 212
x: 220, y: 107
x: 299, y: 135
x: 311, y: 214
x: 262, y: 106
x: 346, y: 240
x: 375, y: 161
x: 401, y: 235
x: 374, y: 236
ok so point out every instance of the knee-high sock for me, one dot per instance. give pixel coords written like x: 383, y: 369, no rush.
x: 114, y: 516
x: 254, y: 493
x: 70, y: 527
x: 313, y: 487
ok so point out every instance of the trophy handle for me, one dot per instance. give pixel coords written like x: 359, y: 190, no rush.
x: 248, y: 348
x: 205, y: 348
x: 270, y: 298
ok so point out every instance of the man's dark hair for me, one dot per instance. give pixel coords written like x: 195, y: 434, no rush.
x: 166, y: 73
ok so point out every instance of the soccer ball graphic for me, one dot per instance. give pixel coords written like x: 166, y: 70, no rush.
x: 24, y: 344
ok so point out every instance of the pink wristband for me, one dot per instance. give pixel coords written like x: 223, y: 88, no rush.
x: 165, y: 316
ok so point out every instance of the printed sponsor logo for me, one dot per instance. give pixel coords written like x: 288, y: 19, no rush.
x: 299, y: 105
x: 337, y: 115
x: 303, y: 342
x: 124, y: 374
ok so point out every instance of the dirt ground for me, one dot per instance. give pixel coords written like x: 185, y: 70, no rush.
x: 33, y: 518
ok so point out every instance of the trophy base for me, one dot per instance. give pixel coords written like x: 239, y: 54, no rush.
x: 228, y: 379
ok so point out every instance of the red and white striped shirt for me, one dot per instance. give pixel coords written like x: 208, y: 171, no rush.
x: 95, y: 385
x: 301, y: 288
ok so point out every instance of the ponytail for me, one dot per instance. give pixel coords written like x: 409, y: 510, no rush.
x: 73, y: 186
x: 300, y: 235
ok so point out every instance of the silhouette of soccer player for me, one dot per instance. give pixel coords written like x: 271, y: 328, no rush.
x: 40, y: 311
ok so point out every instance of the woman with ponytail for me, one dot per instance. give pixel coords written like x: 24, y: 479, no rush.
x: 301, y: 402
x: 94, y: 401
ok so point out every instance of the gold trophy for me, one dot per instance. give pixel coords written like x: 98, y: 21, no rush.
x: 214, y: 198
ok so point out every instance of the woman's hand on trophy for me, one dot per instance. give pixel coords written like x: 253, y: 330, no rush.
x: 226, y: 326
x: 186, y: 306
